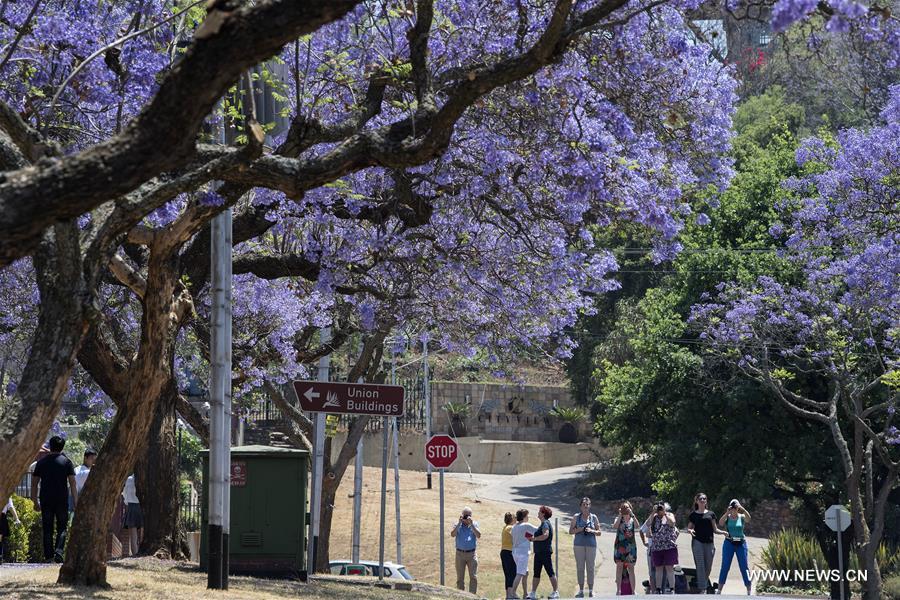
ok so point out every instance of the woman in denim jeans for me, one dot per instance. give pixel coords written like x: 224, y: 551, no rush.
x: 735, y: 543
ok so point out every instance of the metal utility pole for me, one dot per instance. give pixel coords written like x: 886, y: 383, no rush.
x: 396, y: 452
x: 315, y: 497
x: 220, y: 402
x: 385, y: 423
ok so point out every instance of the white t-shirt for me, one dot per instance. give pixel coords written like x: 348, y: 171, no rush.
x: 129, y: 492
x: 8, y: 506
x: 520, y: 542
x: 81, y: 475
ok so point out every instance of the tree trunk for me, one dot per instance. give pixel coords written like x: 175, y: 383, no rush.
x: 62, y: 324
x: 85, y: 562
x: 872, y: 587
x: 329, y: 493
x: 156, y: 476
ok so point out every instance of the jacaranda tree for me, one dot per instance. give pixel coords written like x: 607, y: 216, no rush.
x: 837, y: 327
x: 551, y: 115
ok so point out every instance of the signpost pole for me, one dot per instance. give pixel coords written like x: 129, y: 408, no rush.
x: 442, y: 523
x: 396, y: 451
x: 315, y: 499
x: 427, y: 391
x: 357, y: 499
x: 556, y: 542
x: 840, y: 549
x: 838, y: 519
x: 357, y: 492
x: 441, y: 452
x: 386, y: 422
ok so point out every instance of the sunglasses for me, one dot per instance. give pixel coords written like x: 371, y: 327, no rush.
x: 701, y: 499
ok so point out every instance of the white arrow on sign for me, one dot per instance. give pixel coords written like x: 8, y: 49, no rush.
x: 837, y: 518
x: 310, y: 394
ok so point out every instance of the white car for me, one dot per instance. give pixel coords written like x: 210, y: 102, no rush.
x: 369, y: 567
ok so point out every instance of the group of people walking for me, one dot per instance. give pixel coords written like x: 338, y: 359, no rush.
x: 56, y: 485
x: 658, y: 533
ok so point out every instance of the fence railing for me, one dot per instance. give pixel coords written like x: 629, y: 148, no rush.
x: 189, y: 512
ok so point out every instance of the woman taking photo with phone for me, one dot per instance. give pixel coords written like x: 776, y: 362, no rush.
x: 702, y: 527
x: 735, y: 544
x: 663, y: 547
x: 586, y: 528
x: 625, y: 550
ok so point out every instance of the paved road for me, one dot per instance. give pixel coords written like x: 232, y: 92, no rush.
x: 554, y: 489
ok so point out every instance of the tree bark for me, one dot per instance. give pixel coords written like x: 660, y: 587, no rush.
x: 85, y: 562
x: 162, y: 136
x: 157, y: 479
x: 62, y: 324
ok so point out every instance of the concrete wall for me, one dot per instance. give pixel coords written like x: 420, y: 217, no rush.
x: 505, y: 411
x: 497, y: 457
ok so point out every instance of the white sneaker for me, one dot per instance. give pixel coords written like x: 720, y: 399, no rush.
x: 530, y: 596
x: 553, y: 596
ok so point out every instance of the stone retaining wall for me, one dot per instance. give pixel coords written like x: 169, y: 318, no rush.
x: 506, y: 411
x: 496, y: 457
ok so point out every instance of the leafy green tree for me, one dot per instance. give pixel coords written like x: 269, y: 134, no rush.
x: 94, y: 430
x: 702, y: 427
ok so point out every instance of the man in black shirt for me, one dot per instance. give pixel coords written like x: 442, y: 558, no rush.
x: 54, y: 472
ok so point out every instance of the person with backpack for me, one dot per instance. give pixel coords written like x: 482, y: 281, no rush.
x: 585, y: 527
x: 735, y: 543
x: 625, y: 547
x: 543, y: 554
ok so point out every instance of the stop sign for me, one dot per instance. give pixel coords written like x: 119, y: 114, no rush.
x: 441, y: 451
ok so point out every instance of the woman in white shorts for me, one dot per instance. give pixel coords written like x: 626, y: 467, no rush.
x: 522, y: 532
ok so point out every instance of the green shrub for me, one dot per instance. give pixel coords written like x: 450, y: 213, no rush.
x: 457, y: 409
x: 892, y: 587
x: 790, y: 550
x: 888, y: 560
x: 24, y: 543
x: 74, y: 449
x: 93, y: 431
x: 190, y: 461
x: 617, y: 481
x: 569, y: 414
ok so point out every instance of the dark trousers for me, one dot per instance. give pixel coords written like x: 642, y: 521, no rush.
x: 509, y: 567
x: 54, y: 511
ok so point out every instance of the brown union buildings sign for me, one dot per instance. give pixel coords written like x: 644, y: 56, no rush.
x: 350, y: 398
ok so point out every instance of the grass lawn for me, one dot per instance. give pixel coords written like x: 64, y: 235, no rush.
x: 152, y: 579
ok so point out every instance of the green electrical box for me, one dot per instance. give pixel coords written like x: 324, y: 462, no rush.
x: 268, y: 511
